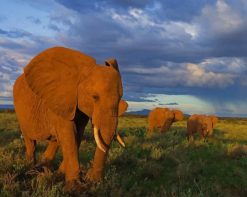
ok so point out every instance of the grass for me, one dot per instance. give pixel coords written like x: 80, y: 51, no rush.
x: 158, y: 165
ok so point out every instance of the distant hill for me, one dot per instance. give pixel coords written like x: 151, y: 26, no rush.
x: 142, y: 112
x: 145, y: 112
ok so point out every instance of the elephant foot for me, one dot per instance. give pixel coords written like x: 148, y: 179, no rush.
x: 44, y: 164
x: 93, y: 176
x: 75, y: 186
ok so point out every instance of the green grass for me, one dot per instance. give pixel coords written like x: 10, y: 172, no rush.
x: 158, y: 165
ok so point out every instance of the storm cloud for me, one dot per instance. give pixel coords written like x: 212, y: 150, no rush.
x: 166, y: 47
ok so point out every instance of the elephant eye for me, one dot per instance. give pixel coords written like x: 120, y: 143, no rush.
x: 96, y: 97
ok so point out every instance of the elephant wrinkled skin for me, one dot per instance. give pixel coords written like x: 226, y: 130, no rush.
x: 201, y: 124
x: 162, y: 119
x: 54, y: 98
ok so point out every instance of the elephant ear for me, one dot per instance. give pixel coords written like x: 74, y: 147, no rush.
x: 122, y: 107
x: 112, y: 63
x: 54, y: 75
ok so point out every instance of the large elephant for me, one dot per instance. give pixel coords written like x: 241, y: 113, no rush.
x: 53, y: 145
x: 54, y: 98
x: 162, y: 119
x: 201, y: 124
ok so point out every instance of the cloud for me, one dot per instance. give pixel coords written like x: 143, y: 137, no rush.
x: 174, y: 103
x: 167, y: 47
x: 54, y: 27
x: 6, y: 89
x: 222, y: 27
x: 15, y: 33
x: 188, y: 75
x: 86, y: 6
x: 34, y: 20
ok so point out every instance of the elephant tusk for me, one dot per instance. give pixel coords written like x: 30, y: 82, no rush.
x: 97, y: 140
x: 120, y: 141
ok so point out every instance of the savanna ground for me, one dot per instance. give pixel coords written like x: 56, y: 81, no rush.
x: 160, y: 165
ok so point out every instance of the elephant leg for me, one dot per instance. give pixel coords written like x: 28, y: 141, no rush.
x: 166, y: 126
x: 30, y: 149
x: 50, y: 152
x: 190, y: 136
x: 150, y: 130
x: 67, y: 140
x: 162, y: 129
x: 81, y: 123
x: 95, y: 173
x: 202, y: 135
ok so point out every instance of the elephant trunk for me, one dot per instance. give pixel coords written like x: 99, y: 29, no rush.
x: 103, y: 135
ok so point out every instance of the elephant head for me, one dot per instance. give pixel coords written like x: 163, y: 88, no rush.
x: 205, y: 125
x: 214, y: 120
x: 198, y: 123
x: 67, y: 81
x: 178, y: 115
x: 173, y: 116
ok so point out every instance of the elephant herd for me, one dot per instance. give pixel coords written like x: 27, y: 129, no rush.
x: 161, y: 119
x: 60, y: 91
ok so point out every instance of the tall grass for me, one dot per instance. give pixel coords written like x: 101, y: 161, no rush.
x: 158, y: 165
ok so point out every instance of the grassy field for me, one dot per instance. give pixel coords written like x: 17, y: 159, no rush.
x: 160, y: 165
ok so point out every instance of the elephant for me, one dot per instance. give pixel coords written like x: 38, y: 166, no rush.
x: 201, y: 124
x: 54, y: 98
x: 162, y: 119
x: 53, y: 145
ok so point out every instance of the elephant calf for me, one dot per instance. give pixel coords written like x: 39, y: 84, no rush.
x: 162, y: 119
x: 201, y: 124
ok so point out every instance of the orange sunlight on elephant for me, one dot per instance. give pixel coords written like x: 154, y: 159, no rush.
x: 201, y: 124
x: 54, y: 98
x: 162, y: 119
x: 53, y: 145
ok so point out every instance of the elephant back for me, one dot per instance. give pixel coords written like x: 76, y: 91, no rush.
x: 54, y: 75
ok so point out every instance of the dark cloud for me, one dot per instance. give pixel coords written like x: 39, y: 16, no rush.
x: 168, y: 9
x: 15, y: 33
x: 169, y: 104
x: 54, y: 27
x: 180, y: 10
x: 233, y: 44
x: 34, y: 20
x: 87, y: 6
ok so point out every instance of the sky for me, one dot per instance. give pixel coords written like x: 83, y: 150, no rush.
x: 189, y: 55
